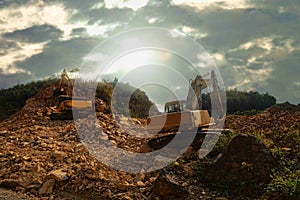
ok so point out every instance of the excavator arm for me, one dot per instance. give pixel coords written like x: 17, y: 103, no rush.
x: 65, y: 86
x: 197, y: 85
x: 216, y: 97
x: 194, y: 93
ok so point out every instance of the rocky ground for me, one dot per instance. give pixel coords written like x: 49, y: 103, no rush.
x: 280, y: 117
x: 44, y: 159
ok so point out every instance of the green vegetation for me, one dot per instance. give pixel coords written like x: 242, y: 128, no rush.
x: 13, y: 99
x: 241, y: 103
x: 247, y: 112
x: 237, y: 100
x: 244, y: 103
x: 285, y: 182
x: 117, y: 95
x: 284, y: 185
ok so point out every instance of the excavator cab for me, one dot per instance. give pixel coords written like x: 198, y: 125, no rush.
x: 175, y: 106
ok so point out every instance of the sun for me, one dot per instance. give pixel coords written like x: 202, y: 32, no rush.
x: 129, y: 61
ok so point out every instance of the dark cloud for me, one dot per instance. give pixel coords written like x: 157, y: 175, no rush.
x: 291, y: 6
x: 103, y: 15
x: 79, y: 4
x: 226, y: 29
x: 255, y: 66
x: 7, y: 46
x: 78, y: 31
x: 5, y: 3
x: 108, y: 16
x: 58, y: 55
x: 9, y: 80
x: 284, y: 78
x: 168, y: 15
x: 229, y: 28
x: 35, y: 34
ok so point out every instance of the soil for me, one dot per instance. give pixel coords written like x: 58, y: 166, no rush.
x: 45, y: 159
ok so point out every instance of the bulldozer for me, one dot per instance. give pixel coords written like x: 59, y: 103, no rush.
x: 186, y: 116
x: 68, y: 104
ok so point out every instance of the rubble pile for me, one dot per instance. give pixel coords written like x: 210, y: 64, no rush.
x: 47, y: 159
x: 280, y: 117
x: 42, y: 157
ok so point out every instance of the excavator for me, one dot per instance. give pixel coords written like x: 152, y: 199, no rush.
x: 184, y: 116
x: 67, y: 103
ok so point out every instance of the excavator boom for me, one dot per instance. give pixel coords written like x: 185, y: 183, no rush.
x: 194, y: 93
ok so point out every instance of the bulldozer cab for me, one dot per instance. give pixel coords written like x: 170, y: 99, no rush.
x: 175, y: 106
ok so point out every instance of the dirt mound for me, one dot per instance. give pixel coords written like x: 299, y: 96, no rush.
x: 280, y: 117
x: 44, y: 98
x: 284, y: 107
x: 45, y: 158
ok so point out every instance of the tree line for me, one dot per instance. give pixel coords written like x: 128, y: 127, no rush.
x: 13, y: 99
x: 243, y: 102
x: 238, y: 102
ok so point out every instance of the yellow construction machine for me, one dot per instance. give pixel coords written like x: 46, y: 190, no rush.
x: 68, y: 105
x: 185, y: 115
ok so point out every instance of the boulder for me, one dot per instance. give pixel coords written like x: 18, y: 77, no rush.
x: 47, y: 187
x: 9, y: 183
x: 165, y: 187
x: 246, y: 162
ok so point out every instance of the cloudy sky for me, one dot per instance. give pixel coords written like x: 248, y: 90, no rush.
x: 255, y: 43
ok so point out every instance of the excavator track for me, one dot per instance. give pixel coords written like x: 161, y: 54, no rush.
x: 162, y: 139
x: 68, y: 115
x: 61, y: 116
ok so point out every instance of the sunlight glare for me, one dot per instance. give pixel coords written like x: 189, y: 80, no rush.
x: 130, y: 61
x: 133, y: 4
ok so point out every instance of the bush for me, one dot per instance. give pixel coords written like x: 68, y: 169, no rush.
x: 284, y: 185
x: 116, y: 94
